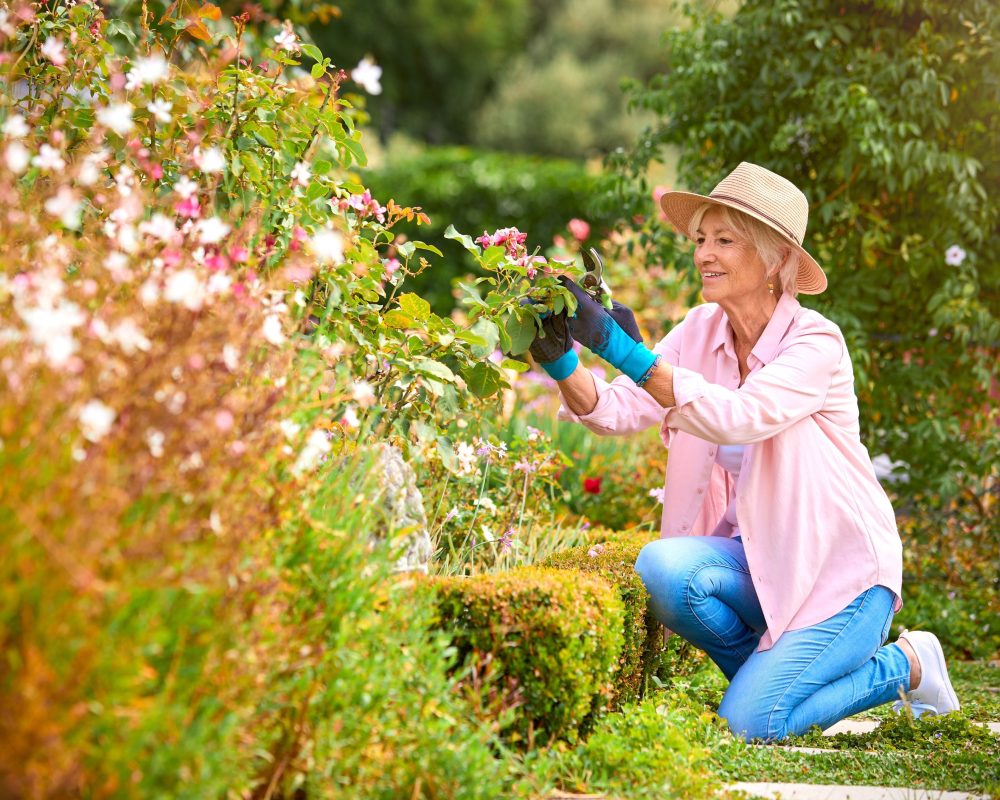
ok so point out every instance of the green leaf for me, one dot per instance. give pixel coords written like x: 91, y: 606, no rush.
x: 436, y: 368
x: 514, y: 364
x: 484, y: 337
x: 483, y: 379
x: 398, y: 319
x: 317, y: 71
x: 312, y: 51
x: 465, y: 239
x: 521, y: 330
x: 117, y: 27
x: 415, y: 306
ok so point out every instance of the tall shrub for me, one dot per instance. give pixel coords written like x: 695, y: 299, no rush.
x: 887, y: 115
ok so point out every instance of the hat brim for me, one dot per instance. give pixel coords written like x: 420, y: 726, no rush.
x: 679, y: 208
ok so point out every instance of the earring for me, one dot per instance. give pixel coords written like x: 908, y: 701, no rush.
x: 770, y: 287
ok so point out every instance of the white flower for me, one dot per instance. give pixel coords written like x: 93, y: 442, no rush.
x: 368, y: 75
x: 289, y: 429
x: 467, y: 460
x: 230, y: 357
x: 185, y: 287
x: 212, y: 230
x: 185, y: 187
x: 17, y: 157
x: 486, y: 504
x: 286, y: 40
x: 362, y: 393
x: 656, y: 494
x: 66, y: 205
x: 301, y: 174
x: 219, y: 283
x: 160, y: 226
x: 50, y: 325
x: 327, y: 245
x: 48, y: 158
x: 154, y: 440
x: 954, y: 256
x: 350, y: 417
x: 54, y: 51
x: 272, y: 330
x: 317, y: 446
x: 487, y: 534
x: 148, y: 70
x: 15, y: 127
x: 160, y: 109
x: 117, y: 117
x: 130, y: 337
x: 96, y: 420
x: 149, y: 293
x: 209, y: 161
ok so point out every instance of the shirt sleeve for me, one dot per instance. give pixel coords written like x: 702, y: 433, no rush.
x: 622, y: 407
x: 790, y: 388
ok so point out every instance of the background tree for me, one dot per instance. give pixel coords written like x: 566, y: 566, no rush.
x: 562, y: 96
x: 887, y: 115
x: 438, y: 73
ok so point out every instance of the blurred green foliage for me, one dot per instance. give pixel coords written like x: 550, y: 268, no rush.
x: 440, y: 58
x: 562, y: 94
x: 887, y: 115
x: 479, y: 190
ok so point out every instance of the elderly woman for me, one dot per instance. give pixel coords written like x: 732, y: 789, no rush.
x: 780, y: 556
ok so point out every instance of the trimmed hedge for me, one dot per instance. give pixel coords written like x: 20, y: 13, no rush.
x: 549, y: 640
x: 643, y: 651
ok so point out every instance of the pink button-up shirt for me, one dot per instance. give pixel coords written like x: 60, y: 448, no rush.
x: 817, y: 527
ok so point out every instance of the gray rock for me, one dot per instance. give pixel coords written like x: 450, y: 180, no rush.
x: 403, y: 508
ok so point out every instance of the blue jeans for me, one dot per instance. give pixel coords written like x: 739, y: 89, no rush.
x: 700, y: 588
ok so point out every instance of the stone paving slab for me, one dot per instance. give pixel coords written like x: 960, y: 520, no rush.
x: 868, y: 725
x: 812, y: 791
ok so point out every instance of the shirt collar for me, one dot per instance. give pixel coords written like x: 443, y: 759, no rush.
x: 777, y: 326
x: 774, y: 332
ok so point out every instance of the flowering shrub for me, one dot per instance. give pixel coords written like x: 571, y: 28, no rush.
x: 199, y: 307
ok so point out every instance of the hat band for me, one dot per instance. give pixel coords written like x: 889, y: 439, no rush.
x: 756, y: 210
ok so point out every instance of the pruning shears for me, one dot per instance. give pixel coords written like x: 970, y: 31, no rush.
x: 593, y: 280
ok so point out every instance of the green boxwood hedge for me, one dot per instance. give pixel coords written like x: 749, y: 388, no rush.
x: 547, y: 641
x: 643, y: 651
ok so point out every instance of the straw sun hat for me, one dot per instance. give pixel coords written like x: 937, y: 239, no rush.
x: 763, y: 195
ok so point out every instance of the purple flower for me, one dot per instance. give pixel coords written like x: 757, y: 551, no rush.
x: 507, y: 540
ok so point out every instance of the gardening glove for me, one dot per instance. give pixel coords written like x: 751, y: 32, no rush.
x: 613, y: 335
x: 552, y: 348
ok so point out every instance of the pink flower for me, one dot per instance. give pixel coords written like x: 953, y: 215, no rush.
x: 580, y: 229
x: 658, y: 192
x: 224, y: 420
x: 188, y: 207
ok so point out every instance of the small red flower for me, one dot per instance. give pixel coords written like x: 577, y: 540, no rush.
x: 592, y: 485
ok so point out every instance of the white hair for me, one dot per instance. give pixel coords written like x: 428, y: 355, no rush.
x: 777, y: 253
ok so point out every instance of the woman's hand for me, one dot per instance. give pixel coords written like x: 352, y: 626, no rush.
x: 613, y: 335
x: 552, y: 348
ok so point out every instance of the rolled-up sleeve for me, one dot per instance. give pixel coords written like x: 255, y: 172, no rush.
x: 622, y: 407
x: 788, y: 389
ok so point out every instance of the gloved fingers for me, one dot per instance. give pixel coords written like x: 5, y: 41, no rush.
x: 623, y: 315
x: 583, y: 299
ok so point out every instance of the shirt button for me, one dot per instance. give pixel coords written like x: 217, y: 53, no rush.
x: 711, y: 451
x: 684, y: 527
x: 701, y: 491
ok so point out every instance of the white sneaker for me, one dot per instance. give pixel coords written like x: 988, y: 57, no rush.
x: 934, y: 694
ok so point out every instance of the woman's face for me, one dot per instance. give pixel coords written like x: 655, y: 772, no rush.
x: 731, y: 271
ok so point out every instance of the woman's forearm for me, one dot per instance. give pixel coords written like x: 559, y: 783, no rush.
x: 579, y: 392
x: 660, y: 385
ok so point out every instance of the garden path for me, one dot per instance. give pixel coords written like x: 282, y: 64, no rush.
x: 812, y: 791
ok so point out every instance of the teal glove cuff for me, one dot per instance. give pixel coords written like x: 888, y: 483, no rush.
x: 638, y: 363
x: 562, y: 367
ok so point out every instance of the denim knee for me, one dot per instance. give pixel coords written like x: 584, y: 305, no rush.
x: 748, y: 721
x: 666, y: 572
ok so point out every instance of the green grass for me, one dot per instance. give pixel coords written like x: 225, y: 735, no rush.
x: 935, y: 753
